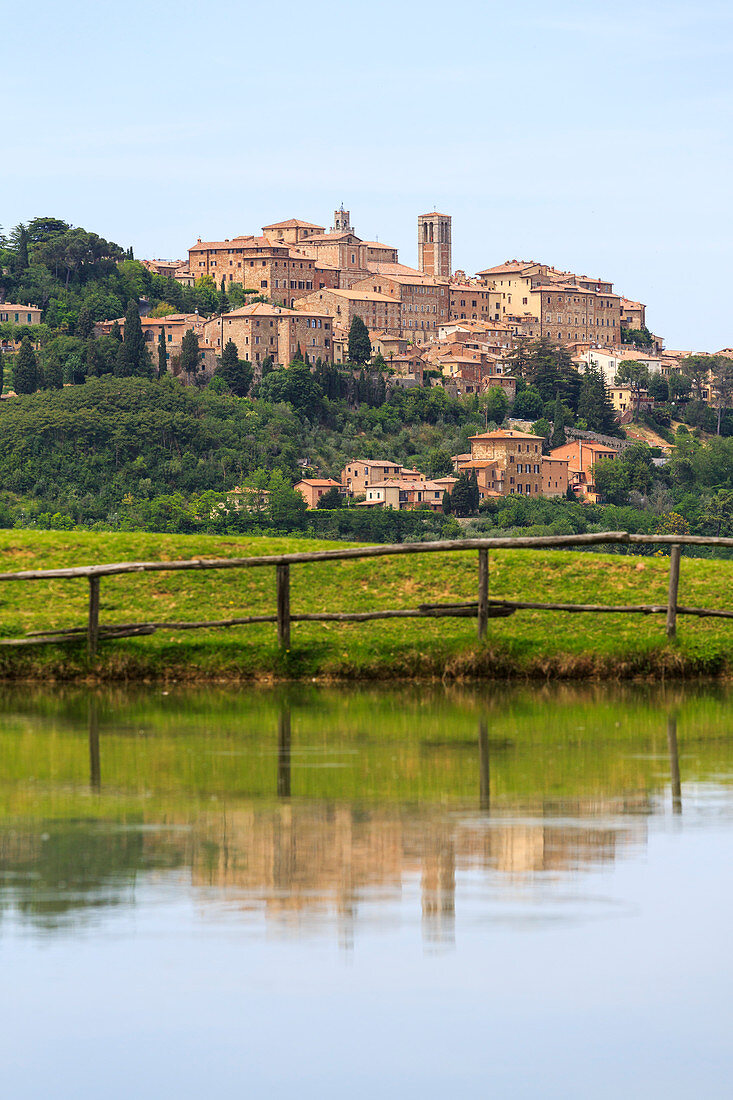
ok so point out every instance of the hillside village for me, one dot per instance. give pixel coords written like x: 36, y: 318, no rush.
x: 297, y: 292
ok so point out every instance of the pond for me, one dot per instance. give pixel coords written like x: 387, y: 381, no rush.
x: 406, y: 892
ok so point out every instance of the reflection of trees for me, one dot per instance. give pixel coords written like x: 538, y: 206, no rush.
x: 51, y: 877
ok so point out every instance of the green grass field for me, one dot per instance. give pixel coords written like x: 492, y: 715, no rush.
x: 529, y: 643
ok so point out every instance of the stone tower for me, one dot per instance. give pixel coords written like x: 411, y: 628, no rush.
x: 341, y: 221
x: 434, y: 244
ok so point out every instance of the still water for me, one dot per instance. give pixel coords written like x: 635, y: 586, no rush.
x: 399, y: 893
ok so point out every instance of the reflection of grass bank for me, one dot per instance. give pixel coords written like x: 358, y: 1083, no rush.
x: 533, y: 644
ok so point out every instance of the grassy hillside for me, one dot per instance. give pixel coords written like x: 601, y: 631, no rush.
x: 539, y: 644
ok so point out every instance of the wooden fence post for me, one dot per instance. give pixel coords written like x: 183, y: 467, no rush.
x: 93, y: 626
x: 483, y: 593
x: 283, y: 606
x: 674, y: 584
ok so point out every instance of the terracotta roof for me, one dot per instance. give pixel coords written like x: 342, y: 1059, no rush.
x: 318, y: 481
x: 379, y: 244
x: 505, y: 433
x: 509, y: 266
x: 378, y: 268
x: 330, y: 238
x: 293, y: 223
x: 264, y: 309
x: 361, y: 295
x: 201, y: 246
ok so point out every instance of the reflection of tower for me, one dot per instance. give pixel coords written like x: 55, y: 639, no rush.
x: 434, y: 244
x: 341, y: 221
x: 439, y: 890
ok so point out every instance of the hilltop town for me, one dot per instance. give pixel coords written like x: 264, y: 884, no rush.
x: 552, y: 375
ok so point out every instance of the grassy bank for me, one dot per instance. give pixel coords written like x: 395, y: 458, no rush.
x: 533, y: 644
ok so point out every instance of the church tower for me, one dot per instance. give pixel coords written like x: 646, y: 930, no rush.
x: 434, y: 244
x: 341, y: 221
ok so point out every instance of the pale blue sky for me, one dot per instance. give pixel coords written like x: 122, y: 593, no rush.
x: 594, y: 137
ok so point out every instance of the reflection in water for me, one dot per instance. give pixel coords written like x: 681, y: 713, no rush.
x: 369, y: 800
x: 674, y: 764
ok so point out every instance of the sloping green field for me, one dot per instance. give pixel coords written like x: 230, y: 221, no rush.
x: 529, y: 643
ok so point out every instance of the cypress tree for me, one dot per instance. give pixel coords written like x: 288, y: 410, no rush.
x: 25, y: 370
x: 93, y: 363
x: 84, y: 323
x: 134, y: 358
x: 162, y: 354
x: 360, y: 346
x: 190, y: 352
x: 447, y: 505
x: 558, y: 436
x: 461, y: 496
x: 475, y: 494
x: 21, y: 261
x: 116, y: 332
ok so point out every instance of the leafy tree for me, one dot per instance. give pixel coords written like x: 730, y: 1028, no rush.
x: 286, y: 506
x: 84, y: 323
x: 360, y: 346
x: 162, y: 353
x: 332, y: 498
x: 635, y: 375
x: 25, y: 370
x: 53, y: 375
x: 722, y: 384
x: 378, y: 362
x: 528, y: 404
x: 719, y: 512
x: 542, y: 427
x: 134, y: 359
x: 462, y: 497
x: 496, y: 404
x: 658, y: 387
x: 447, y: 504
x: 697, y: 369
x: 236, y: 372
x: 558, y: 437
x: 680, y: 386
x: 190, y: 352
x: 438, y: 462
x: 594, y: 404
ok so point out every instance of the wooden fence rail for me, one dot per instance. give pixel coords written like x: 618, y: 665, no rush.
x: 482, y: 609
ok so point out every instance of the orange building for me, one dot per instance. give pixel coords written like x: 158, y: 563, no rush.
x: 313, y: 488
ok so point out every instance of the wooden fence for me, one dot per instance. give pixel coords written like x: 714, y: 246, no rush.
x: 483, y: 608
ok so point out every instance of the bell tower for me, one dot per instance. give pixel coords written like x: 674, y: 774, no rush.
x: 434, y: 244
x: 342, y: 221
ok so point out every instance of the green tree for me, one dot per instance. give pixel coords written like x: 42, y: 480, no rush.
x: 53, y: 375
x: 236, y: 372
x: 658, y: 388
x: 21, y: 260
x: 594, y: 404
x: 360, y: 346
x: 528, y: 404
x: 447, y: 504
x: 84, y: 326
x: 635, y: 375
x: 697, y: 369
x: 25, y: 370
x: 496, y: 404
x: 722, y: 384
x: 474, y: 490
x: 332, y: 498
x: 162, y: 354
x: 190, y: 352
x: 558, y: 437
x: 286, y: 506
x: 134, y: 360
x: 438, y: 462
x: 461, y: 497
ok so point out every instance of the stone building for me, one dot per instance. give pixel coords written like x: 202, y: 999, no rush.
x: 379, y: 312
x: 423, y: 302
x: 274, y: 270
x: 565, y: 307
x: 434, y: 244
x: 261, y: 330
x: 506, y: 462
